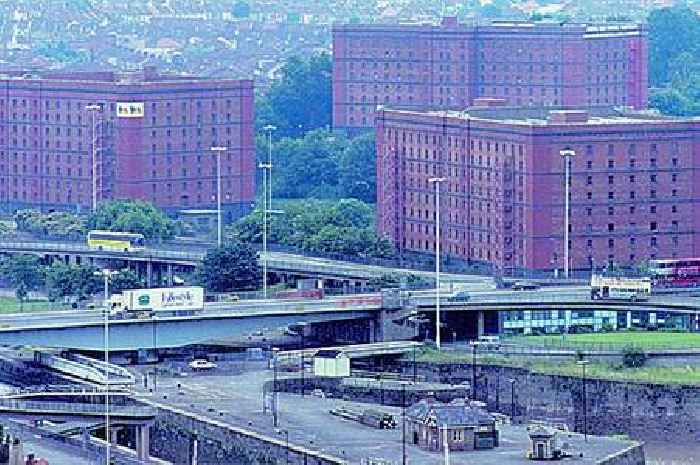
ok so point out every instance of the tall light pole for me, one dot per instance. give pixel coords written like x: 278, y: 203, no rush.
x: 94, y: 109
x: 106, y: 274
x: 275, y: 352
x: 566, y: 155
x: 437, y: 182
x: 583, y: 364
x: 512, y: 382
x: 265, y: 167
x: 270, y: 129
x: 218, y: 151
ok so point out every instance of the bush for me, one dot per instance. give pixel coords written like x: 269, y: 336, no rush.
x: 633, y: 357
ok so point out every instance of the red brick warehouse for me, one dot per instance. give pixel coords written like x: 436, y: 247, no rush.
x: 635, y: 185
x: 154, y: 134
x: 448, y: 66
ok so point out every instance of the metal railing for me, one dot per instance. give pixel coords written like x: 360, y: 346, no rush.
x: 82, y: 248
x: 30, y: 406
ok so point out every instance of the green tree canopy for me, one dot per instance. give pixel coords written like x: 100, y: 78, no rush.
x: 126, y: 279
x: 231, y: 267
x: 358, y: 169
x: 345, y: 227
x: 23, y: 272
x: 241, y: 9
x: 672, y: 32
x: 69, y: 280
x: 133, y: 216
x: 300, y: 100
x: 310, y: 167
x: 54, y: 224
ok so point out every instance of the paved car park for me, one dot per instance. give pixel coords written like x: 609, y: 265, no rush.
x: 236, y: 397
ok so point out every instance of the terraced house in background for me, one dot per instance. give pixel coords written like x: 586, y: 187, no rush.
x: 450, y: 65
x: 151, y: 133
x: 634, y: 185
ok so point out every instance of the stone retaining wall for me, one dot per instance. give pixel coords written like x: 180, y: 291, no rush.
x: 641, y: 410
x: 633, y: 455
x: 172, y: 439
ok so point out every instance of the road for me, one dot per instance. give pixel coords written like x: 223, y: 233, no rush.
x: 340, y: 303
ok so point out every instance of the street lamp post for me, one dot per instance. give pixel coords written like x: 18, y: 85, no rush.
x: 437, y: 182
x: 265, y: 167
x: 269, y: 128
x: 512, y: 382
x: 566, y: 154
x: 403, y: 425
x: 473, y: 390
x: 275, y: 351
x: 94, y: 109
x: 106, y: 274
x: 583, y: 364
x: 218, y: 151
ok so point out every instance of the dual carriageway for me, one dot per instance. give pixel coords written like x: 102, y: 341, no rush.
x: 83, y: 329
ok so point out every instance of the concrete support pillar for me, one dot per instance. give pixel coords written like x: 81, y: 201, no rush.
x: 629, y: 319
x: 143, y: 442
x: 113, y: 435
x: 149, y: 274
x: 372, y: 331
x: 480, y: 323
x: 169, y: 271
x: 346, y: 286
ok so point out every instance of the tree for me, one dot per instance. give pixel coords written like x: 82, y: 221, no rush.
x: 133, y: 216
x: 68, y: 280
x: 241, y: 9
x: 126, y: 279
x: 670, y: 101
x: 633, y: 357
x: 54, y: 224
x: 300, y: 100
x: 24, y: 273
x: 358, y: 169
x: 310, y: 167
x: 343, y: 227
x: 231, y: 267
x: 672, y: 32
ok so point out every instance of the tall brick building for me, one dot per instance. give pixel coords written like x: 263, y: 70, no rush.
x: 635, y: 184
x: 153, y: 138
x: 448, y: 66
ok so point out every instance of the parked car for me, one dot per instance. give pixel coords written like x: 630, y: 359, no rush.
x: 524, y: 286
x: 202, y: 364
x: 459, y: 296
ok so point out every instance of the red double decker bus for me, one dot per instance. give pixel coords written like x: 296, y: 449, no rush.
x: 680, y: 272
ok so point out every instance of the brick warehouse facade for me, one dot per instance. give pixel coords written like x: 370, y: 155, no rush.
x: 635, y: 185
x: 153, y: 137
x: 448, y: 66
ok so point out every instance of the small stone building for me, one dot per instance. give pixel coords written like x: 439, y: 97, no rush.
x: 543, y: 443
x: 467, y: 427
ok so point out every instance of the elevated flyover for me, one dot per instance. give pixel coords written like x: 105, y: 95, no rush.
x: 169, y: 255
x: 84, y: 330
x: 71, y: 411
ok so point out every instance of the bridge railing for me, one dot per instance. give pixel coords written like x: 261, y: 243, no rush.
x: 83, y: 248
x: 31, y: 406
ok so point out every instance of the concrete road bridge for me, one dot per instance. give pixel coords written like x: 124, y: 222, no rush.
x: 365, y: 319
x: 160, y: 264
